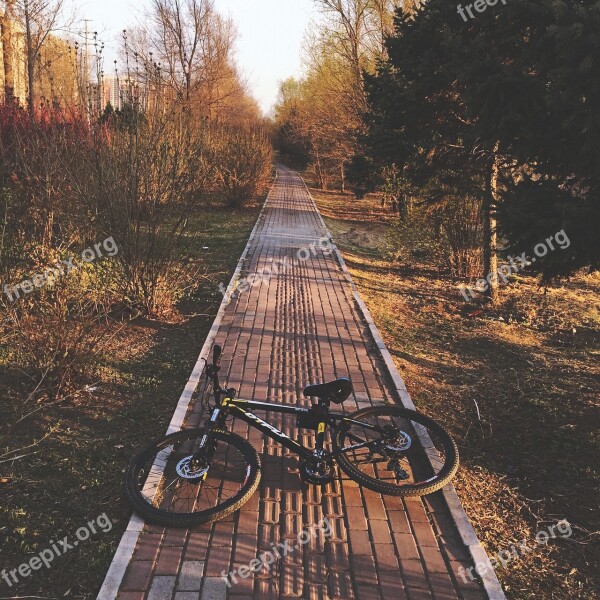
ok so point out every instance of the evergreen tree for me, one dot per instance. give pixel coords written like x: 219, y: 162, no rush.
x: 504, y: 107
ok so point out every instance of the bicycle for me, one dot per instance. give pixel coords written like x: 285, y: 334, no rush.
x: 199, y: 476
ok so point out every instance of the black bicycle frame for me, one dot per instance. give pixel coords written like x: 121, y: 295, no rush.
x: 243, y: 409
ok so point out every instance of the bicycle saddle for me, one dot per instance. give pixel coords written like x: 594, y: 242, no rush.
x: 336, y: 391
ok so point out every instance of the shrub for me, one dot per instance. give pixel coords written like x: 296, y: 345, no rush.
x: 241, y: 161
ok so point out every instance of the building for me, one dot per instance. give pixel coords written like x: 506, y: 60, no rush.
x: 113, y: 91
x: 18, y: 62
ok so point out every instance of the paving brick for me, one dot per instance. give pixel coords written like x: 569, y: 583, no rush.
x: 222, y: 533
x: 243, y: 583
x: 175, y: 537
x: 434, y: 561
x: 245, y: 549
x: 454, y: 548
x: 270, y: 512
x: 424, y: 535
x: 214, y: 588
x: 407, y: 548
x: 148, y: 546
x: 391, y: 584
x: 316, y: 592
x: 337, y: 529
x: 367, y: 592
x: 190, y: 576
x: 363, y: 570
x: 467, y: 580
x: 197, y: 546
x: 399, y: 521
x: 292, y: 580
x: 360, y: 544
x: 316, y: 568
x: 268, y: 534
x: 375, y: 507
x: 413, y: 574
x: 161, y: 588
x: 292, y: 526
x: 313, y: 514
x: 313, y: 494
x: 393, y: 503
x: 291, y: 501
x: 340, y: 585
x: 385, y: 555
x: 219, y: 559
x: 338, y: 556
x: 137, y: 576
x: 418, y: 594
x: 380, y: 532
x: 268, y: 589
x: 416, y: 511
x: 247, y: 522
x: 357, y: 517
x: 352, y: 497
x: 168, y: 560
x: 442, y: 586
x: 333, y: 506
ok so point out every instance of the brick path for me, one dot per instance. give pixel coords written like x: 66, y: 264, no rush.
x: 303, y: 326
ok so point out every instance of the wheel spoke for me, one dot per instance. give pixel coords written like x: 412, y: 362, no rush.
x: 393, y: 447
x: 169, y: 481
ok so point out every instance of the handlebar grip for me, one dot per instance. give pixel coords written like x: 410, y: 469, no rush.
x: 217, y: 351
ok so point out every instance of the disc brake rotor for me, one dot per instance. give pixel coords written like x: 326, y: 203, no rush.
x: 186, y: 469
x: 401, y: 443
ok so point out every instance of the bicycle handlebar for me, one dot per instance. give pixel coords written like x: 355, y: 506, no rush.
x: 217, y: 352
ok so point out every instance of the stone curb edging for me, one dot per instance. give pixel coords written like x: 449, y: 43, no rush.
x: 468, y: 536
x: 128, y: 543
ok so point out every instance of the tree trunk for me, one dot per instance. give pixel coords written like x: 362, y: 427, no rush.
x: 30, y: 63
x: 343, y: 178
x: 6, y: 31
x: 320, y: 174
x: 490, y: 231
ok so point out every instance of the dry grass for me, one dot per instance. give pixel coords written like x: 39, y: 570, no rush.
x: 76, y: 472
x: 517, y: 386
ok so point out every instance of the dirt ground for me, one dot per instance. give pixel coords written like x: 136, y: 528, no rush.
x: 518, y: 386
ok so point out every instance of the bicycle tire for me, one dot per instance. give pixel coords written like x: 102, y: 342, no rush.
x: 157, y: 516
x: 440, y: 480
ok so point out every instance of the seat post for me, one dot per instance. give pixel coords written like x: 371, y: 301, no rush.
x: 323, y: 405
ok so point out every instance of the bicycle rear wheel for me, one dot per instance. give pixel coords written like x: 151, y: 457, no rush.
x: 395, y: 451
x: 165, y: 486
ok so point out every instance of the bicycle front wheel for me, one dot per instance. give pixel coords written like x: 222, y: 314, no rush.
x: 167, y: 484
x: 395, y: 451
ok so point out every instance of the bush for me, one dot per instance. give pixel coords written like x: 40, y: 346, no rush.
x: 66, y: 185
x: 241, y: 161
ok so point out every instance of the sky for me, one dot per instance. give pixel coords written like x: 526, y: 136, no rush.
x: 269, y: 47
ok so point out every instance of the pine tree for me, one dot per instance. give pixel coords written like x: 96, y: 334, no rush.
x: 504, y: 107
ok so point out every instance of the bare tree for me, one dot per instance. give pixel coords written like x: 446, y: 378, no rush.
x: 6, y: 36
x: 381, y: 22
x: 39, y: 18
x: 194, y: 45
x: 349, y: 29
x: 178, y: 28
